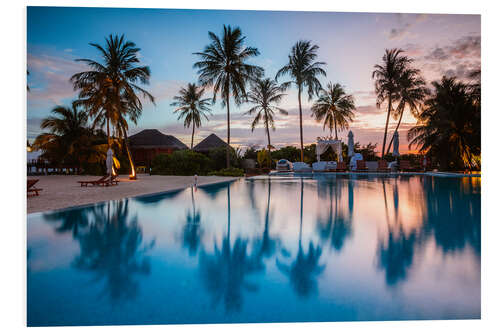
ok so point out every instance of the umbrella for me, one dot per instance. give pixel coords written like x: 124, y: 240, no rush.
x: 395, y: 151
x: 350, y: 144
x: 109, y: 161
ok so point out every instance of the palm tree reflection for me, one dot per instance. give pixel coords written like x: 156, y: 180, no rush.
x: 304, y: 270
x: 225, y: 272
x: 192, y: 229
x: 337, y: 227
x: 73, y: 220
x: 113, y: 250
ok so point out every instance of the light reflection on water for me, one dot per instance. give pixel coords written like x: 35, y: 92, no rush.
x: 322, y: 248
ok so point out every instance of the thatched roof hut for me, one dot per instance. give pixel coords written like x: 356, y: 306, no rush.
x: 152, y: 138
x: 210, y: 142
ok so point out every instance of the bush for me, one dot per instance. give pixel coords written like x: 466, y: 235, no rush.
x: 181, y: 163
x: 231, y: 172
x: 218, y: 158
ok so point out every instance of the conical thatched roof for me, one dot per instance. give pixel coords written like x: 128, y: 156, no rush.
x: 152, y: 138
x: 210, y: 142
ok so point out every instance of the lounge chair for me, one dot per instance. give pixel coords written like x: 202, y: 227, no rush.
x: 283, y: 165
x: 111, y: 181
x: 331, y: 166
x: 32, y: 191
x: 341, y: 167
x: 382, y: 166
x: 361, y: 166
x: 301, y: 167
x: 319, y: 166
x: 99, y: 181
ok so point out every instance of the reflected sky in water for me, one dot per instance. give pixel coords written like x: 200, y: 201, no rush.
x: 285, y: 249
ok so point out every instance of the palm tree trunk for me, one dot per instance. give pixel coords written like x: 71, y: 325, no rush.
x: 131, y: 160
x: 301, y: 134
x: 389, y: 108
x: 192, y: 137
x: 107, y: 130
x: 335, y: 122
x: 228, y: 134
x: 268, y: 144
x: 397, y: 127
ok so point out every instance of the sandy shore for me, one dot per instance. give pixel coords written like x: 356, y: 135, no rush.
x: 64, y: 191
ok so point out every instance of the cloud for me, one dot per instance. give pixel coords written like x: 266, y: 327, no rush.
x: 405, y: 23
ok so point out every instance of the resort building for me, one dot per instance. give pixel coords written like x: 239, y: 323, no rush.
x: 148, y: 143
x: 210, y: 142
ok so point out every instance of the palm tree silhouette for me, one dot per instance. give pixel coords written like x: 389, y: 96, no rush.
x: 303, y: 271
x: 191, y: 106
x: 224, y: 272
x: 387, y: 81
x: 113, y: 249
x: 223, y: 66
x: 103, y: 88
x: 73, y: 220
x: 449, y: 126
x: 412, y: 92
x: 334, y: 107
x: 264, y: 94
x: 304, y: 71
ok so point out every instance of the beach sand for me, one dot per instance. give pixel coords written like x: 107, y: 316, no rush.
x: 63, y: 191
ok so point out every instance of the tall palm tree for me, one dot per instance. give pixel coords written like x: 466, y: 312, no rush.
x: 412, y: 92
x: 334, y: 107
x: 118, y: 76
x: 304, y: 71
x: 223, y: 67
x: 265, y: 94
x: 387, y: 80
x: 449, y: 126
x: 191, y: 106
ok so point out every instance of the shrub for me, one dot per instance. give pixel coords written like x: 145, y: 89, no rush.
x: 228, y: 172
x: 181, y: 163
x: 218, y: 158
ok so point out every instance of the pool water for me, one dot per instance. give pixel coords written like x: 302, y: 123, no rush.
x: 280, y: 249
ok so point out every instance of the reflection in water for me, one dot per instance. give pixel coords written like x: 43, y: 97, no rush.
x: 305, y: 268
x: 113, y: 249
x: 224, y: 272
x: 334, y: 247
x: 192, y: 228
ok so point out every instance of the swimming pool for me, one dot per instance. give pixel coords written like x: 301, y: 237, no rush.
x: 280, y: 249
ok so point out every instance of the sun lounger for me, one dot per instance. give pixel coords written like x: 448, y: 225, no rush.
x: 99, y: 181
x: 341, y: 167
x: 361, y: 166
x: 32, y: 191
x: 319, y: 166
x: 301, y: 167
x: 331, y: 166
x: 382, y: 166
x: 111, y: 181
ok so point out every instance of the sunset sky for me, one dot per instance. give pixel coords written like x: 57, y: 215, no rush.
x: 350, y: 43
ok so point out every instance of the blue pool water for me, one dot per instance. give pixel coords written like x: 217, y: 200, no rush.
x: 285, y: 249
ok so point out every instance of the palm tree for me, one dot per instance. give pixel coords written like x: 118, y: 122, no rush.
x: 413, y: 91
x: 304, y: 71
x: 191, y: 106
x: 69, y: 139
x: 449, y: 126
x: 265, y: 94
x: 334, y: 107
x: 223, y: 66
x: 387, y: 80
x: 107, y: 83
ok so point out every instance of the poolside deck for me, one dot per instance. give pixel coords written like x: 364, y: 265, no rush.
x: 61, y: 191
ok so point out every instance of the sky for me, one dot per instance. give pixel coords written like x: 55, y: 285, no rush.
x: 350, y: 44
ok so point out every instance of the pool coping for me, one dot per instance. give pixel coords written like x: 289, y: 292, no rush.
x: 374, y: 173
x: 34, y: 214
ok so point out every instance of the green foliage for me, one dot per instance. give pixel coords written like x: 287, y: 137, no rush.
x: 263, y: 158
x: 231, y: 172
x: 217, y: 157
x: 289, y: 153
x: 181, y: 163
x: 250, y: 153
